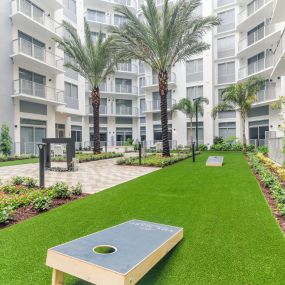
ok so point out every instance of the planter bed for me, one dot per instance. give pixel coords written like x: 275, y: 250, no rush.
x: 22, y: 199
x: 154, y: 160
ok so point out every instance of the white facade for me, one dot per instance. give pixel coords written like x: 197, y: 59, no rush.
x: 48, y: 100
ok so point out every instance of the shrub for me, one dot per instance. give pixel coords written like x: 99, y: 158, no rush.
x: 60, y: 190
x: 77, y: 189
x: 250, y: 148
x: 263, y: 149
x: 202, y: 147
x: 6, y: 214
x: 9, y: 189
x: 30, y: 182
x: 42, y: 203
x: 17, y: 180
x: 218, y: 140
x: 5, y: 140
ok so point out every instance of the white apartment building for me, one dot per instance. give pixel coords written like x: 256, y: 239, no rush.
x: 40, y: 98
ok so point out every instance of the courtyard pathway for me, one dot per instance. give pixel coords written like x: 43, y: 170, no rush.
x: 94, y: 176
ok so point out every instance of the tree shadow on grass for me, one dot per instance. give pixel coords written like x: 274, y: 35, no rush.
x: 150, y: 278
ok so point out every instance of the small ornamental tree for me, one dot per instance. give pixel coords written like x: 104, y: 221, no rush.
x: 5, y: 140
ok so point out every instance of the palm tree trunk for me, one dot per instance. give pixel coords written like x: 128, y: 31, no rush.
x: 243, y: 132
x: 96, y: 105
x: 163, y: 89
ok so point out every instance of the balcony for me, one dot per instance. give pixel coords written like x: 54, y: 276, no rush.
x: 127, y: 69
x: 25, y: 14
x: 262, y: 67
x: 154, y: 105
x: 260, y: 40
x: 97, y: 21
x: 268, y: 93
x: 26, y: 53
x: 249, y: 16
x: 102, y: 110
x: 103, y: 4
x: 151, y: 82
x: 279, y: 57
x: 126, y: 111
x: 36, y: 92
x: 278, y: 11
x: 112, y: 89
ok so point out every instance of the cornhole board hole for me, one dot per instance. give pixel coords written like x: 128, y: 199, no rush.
x: 119, y: 255
x: 215, y: 161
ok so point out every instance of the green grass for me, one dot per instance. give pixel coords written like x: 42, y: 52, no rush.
x: 231, y: 236
x: 18, y: 162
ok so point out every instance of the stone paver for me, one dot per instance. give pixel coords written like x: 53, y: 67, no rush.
x: 94, y: 176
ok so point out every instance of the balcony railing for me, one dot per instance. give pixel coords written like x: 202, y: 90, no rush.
x: 153, y: 79
x: 98, y: 18
x: 267, y: 93
x: 154, y: 105
x: 37, y: 52
x: 125, y: 89
x: 280, y: 49
x: 126, y: 67
x: 126, y: 111
x: 255, y: 37
x: 102, y: 109
x: 36, y: 14
x: 250, y: 10
x: 30, y: 88
x: 255, y: 67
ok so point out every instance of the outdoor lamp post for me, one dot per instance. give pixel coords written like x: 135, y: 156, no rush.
x: 196, y: 102
x: 42, y: 157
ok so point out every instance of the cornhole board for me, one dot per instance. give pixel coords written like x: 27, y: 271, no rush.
x: 138, y: 246
x: 215, y: 161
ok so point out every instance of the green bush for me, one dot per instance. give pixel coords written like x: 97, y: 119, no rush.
x: 17, y: 180
x: 42, y: 203
x: 250, y: 148
x: 60, y: 190
x: 263, y: 149
x: 5, y: 141
x: 30, y: 182
x: 227, y: 147
x: 218, y: 140
x: 76, y: 190
x: 6, y: 214
x: 202, y: 147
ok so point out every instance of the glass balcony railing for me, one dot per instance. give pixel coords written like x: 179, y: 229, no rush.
x: 154, y: 105
x: 98, y: 18
x: 251, y: 9
x: 30, y: 88
x: 280, y: 49
x: 102, y: 109
x: 153, y: 79
x: 127, y: 67
x: 267, y: 93
x: 125, y: 89
x: 35, y: 13
x: 256, y: 67
x: 126, y: 111
x: 37, y: 52
x: 260, y: 34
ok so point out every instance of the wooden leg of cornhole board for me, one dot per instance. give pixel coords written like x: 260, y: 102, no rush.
x: 57, y: 277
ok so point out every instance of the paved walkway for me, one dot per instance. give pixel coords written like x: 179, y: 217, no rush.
x: 94, y: 176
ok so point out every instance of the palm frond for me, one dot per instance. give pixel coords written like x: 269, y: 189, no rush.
x: 220, y: 108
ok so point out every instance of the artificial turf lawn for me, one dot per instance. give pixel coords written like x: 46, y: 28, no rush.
x: 231, y: 236
x: 18, y: 162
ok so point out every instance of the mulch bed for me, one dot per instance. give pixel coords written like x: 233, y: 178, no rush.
x: 24, y: 213
x: 272, y: 203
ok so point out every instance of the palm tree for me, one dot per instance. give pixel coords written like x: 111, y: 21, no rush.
x: 188, y: 107
x: 240, y: 97
x: 162, y: 38
x: 94, y: 61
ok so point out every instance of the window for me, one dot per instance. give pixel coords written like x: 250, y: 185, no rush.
x: 71, y: 5
x: 142, y: 120
x: 142, y: 106
x: 123, y: 85
x: 123, y: 134
x: 227, y: 130
x: 156, y: 100
x: 142, y: 85
x: 259, y: 111
x: 143, y: 133
x: 123, y: 107
x: 119, y: 20
x: 228, y: 21
x: 31, y: 10
x: 95, y: 36
x: 141, y: 67
x: 256, y: 63
x: 194, y: 70
x: 221, y: 3
x: 253, y: 6
x: 226, y: 47
x: 193, y: 134
x: 194, y: 92
x: 157, y: 133
x: 157, y: 117
x: 71, y: 95
x: 257, y: 131
x: 96, y: 16
x: 256, y: 34
x: 76, y: 133
x: 226, y: 72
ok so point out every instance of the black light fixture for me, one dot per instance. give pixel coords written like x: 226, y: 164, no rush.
x: 196, y: 100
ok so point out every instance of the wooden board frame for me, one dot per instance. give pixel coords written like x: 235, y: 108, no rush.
x: 95, y: 274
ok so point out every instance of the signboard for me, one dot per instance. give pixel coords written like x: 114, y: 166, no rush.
x: 215, y: 161
x: 120, y: 255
